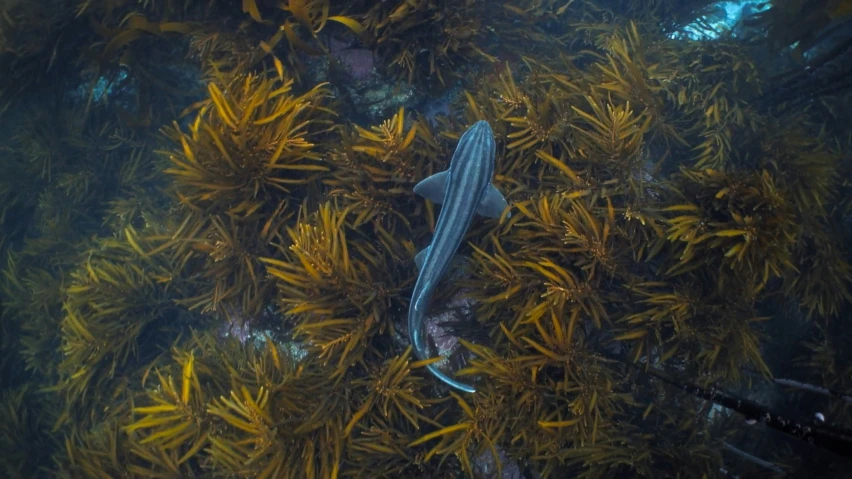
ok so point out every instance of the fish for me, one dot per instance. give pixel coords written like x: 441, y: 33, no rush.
x: 464, y: 190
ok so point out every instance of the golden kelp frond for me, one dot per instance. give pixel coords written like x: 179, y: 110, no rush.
x: 709, y: 97
x: 558, y: 392
x: 823, y: 278
x: 381, y: 451
x: 422, y: 41
x: 24, y: 433
x: 121, y: 33
x: 231, y: 249
x: 629, y: 75
x: 584, y: 234
x: 517, y: 378
x: 46, y: 144
x: 826, y: 363
x: 321, y: 274
x: 539, y: 119
x: 508, y: 373
x: 565, y: 292
x: 582, y: 379
x: 582, y: 229
x: 249, y: 146
x: 102, y: 452
x: 262, y: 452
x: 137, y: 209
x: 159, y: 7
x: 804, y: 165
x: 32, y: 295
x: 540, y: 222
x: 65, y: 169
x: 526, y: 116
x: 299, y: 231
x: 35, y: 54
x: 129, y: 61
x: 336, y: 288
x: 392, y: 394
x: 167, y: 433
x: 714, y: 335
x: 743, y: 222
x: 498, y: 280
x: 26, y: 282
x: 479, y: 428
x: 278, y: 34
x: 117, y: 296
x: 558, y: 251
x: 612, y: 138
x: 140, y: 202
x: 260, y: 362
x: 175, y: 425
x: 182, y: 427
x: 20, y: 14
x: 375, y: 169
x: 389, y: 140
x: 643, y: 453
x: 268, y: 436
x: 243, y: 167
x: 690, y: 98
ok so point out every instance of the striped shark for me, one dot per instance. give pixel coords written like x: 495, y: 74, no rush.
x: 464, y: 190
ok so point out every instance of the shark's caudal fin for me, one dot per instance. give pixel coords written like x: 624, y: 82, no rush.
x: 450, y: 381
x: 421, y: 303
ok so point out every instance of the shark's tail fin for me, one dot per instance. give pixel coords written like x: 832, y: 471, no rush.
x: 450, y: 381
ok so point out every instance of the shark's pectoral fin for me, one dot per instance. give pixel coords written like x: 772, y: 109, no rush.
x: 493, y: 204
x: 433, y: 187
x: 421, y: 257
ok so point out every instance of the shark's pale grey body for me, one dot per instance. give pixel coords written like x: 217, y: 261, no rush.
x: 464, y: 190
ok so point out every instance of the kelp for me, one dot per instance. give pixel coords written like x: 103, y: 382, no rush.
x: 24, y: 434
x: 226, y: 294
x: 741, y: 222
x: 678, y: 323
x: 374, y: 170
x: 248, y: 154
x: 419, y: 41
x: 267, y: 422
x: 328, y: 284
x: 118, y: 297
x: 248, y: 144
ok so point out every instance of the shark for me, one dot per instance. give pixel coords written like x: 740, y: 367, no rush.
x: 464, y: 190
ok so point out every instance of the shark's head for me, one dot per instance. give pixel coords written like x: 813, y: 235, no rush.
x: 477, y: 144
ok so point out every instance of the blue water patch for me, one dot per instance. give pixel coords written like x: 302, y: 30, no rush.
x: 724, y: 17
x: 103, y: 88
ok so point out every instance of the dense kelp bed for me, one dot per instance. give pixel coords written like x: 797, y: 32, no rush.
x: 208, y: 229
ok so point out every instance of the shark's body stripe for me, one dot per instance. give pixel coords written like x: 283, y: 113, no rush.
x: 470, y: 173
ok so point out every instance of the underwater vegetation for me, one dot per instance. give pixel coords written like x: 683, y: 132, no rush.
x: 208, y: 249
x: 821, y: 52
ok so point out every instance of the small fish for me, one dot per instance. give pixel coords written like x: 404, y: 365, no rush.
x: 464, y: 190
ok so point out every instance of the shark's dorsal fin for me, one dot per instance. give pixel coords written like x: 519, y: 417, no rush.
x: 421, y: 257
x: 433, y: 187
x: 493, y: 203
